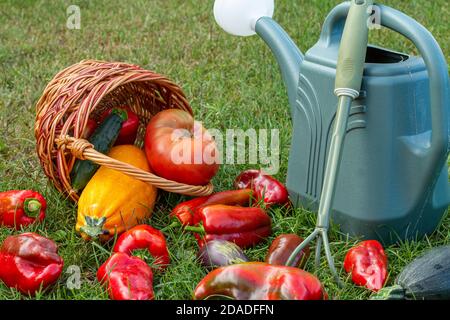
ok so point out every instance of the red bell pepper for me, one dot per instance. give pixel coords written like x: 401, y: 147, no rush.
x: 184, y: 211
x: 128, y: 132
x: 21, y: 207
x: 368, y: 264
x: 266, y: 187
x: 260, y: 281
x: 89, y: 129
x: 29, y: 262
x: 283, y: 246
x: 126, y: 277
x: 144, y: 237
x: 241, y: 225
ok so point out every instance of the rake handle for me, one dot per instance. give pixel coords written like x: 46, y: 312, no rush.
x: 353, y: 48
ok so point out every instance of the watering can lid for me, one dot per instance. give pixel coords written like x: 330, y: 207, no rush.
x: 406, y: 64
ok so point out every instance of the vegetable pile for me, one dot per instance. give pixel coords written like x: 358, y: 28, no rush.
x: 113, y: 209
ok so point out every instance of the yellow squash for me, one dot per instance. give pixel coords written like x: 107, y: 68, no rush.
x: 112, y: 201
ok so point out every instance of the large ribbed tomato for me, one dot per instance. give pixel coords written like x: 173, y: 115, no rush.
x: 180, y: 149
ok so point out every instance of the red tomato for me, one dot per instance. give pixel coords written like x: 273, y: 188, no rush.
x: 180, y: 149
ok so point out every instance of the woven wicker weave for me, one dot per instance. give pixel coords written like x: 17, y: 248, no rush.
x: 85, y: 90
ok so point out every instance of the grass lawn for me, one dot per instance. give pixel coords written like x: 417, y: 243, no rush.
x: 231, y: 82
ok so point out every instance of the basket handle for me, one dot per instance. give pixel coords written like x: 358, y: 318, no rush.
x: 84, y: 150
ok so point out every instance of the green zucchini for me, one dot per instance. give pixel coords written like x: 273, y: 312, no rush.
x: 103, y: 139
x: 426, y: 278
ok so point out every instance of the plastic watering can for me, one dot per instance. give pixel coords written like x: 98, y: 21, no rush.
x: 392, y: 182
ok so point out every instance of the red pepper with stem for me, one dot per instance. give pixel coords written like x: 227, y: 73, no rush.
x: 266, y: 187
x: 260, y: 281
x: 129, y: 129
x: 367, y: 263
x: 184, y: 211
x: 241, y: 225
x: 21, y: 207
x: 29, y: 262
x: 126, y: 277
x: 144, y: 237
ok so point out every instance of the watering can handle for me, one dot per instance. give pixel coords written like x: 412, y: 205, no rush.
x: 435, y: 63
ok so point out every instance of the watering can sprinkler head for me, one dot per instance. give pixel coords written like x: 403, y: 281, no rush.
x: 249, y: 17
x: 239, y: 17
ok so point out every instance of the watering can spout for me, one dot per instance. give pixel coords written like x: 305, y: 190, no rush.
x: 287, y: 54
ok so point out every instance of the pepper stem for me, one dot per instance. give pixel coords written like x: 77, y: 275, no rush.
x: 174, y: 224
x: 197, y: 229
x: 121, y: 113
x: 94, y: 227
x: 32, y: 207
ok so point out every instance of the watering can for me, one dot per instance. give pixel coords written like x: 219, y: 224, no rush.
x: 392, y: 183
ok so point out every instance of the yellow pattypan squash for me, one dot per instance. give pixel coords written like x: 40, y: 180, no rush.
x: 113, y: 202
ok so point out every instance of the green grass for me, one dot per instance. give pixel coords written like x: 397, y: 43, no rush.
x: 231, y: 83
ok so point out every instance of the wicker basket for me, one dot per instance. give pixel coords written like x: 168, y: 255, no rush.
x: 85, y: 90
